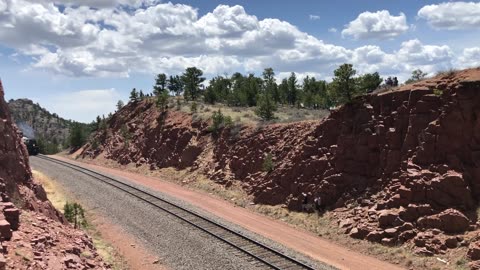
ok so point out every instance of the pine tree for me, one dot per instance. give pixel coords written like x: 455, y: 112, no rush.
x: 192, y: 80
x: 160, y: 84
x: 265, y: 107
x: 134, y: 95
x: 269, y: 84
x: 175, y: 85
x: 120, y: 105
x: 370, y: 81
x: 77, y: 136
x: 344, y: 83
x: 283, y: 91
x: 292, y: 92
x: 417, y: 75
x: 75, y: 214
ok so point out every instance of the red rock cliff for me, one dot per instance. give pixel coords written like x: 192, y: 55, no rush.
x: 15, y: 174
x: 404, y: 160
x: 31, y: 234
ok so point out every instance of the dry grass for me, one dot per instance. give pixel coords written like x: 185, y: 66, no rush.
x: 58, y: 197
x: 247, y: 116
x: 234, y: 193
x: 54, y: 192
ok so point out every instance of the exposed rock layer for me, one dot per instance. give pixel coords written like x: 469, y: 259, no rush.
x: 394, y: 164
x: 33, y: 233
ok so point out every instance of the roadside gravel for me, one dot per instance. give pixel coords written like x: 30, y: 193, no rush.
x: 177, y: 245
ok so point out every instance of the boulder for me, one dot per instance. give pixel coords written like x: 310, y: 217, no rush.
x: 406, y: 235
x: 451, y: 242
x: 5, y: 230
x: 12, y: 215
x: 449, y: 221
x: 375, y: 236
x: 345, y: 223
x: 387, y: 217
x: 391, y: 232
x: 474, y: 251
x: 388, y: 241
x: 359, y: 232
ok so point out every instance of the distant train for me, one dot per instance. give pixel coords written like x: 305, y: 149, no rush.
x: 32, y: 146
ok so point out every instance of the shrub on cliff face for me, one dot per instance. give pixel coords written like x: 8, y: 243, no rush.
x: 268, y: 164
x: 219, y: 121
x: 95, y: 144
x: 127, y: 136
x: 162, y: 100
x: 437, y: 92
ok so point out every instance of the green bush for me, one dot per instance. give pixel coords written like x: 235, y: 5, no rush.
x: 127, y: 136
x: 179, y: 105
x: 75, y: 214
x: 268, y: 164
x: 193, y: 107
x: 162, y: 100
x: 265, y: 107
x: 227, y: 121
x: 437, y: 92
x: 94, y: 144
x: 219, y: 121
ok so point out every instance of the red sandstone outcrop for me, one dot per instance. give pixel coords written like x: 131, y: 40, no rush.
x: 32, y: 231
x: 403, y: 165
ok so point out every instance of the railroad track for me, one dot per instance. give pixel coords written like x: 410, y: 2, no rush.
x: 260, y: 253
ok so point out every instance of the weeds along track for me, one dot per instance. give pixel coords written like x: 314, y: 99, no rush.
x: 260, y: 254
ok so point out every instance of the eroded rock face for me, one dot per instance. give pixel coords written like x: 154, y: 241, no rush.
x: 400, y: 162
x: 15, y: 175
x: 30, y: 225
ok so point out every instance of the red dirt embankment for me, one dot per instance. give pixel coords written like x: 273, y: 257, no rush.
x: 36, y: 236
x: 402, y: 166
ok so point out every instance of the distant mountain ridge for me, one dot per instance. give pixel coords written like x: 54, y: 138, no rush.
x: 38, y: 123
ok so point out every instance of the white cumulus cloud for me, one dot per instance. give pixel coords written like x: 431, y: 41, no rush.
x: 452, y: 15
x: 470, y: 58
x: 83, y: 105
x: 115, y: 39
x: 376, y: 25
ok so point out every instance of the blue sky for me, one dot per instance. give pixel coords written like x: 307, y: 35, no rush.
x: 78, y: 58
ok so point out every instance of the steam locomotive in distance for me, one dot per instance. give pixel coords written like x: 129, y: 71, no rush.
x: 32, y: 146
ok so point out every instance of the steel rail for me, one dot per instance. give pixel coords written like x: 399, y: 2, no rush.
x: 294, y: 264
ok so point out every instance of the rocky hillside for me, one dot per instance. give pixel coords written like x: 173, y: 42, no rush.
x: 400, y: 167
x: 33, y: 233
x: 36, y: 122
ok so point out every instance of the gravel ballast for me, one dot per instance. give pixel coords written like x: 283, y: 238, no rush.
x: 177, y: 244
